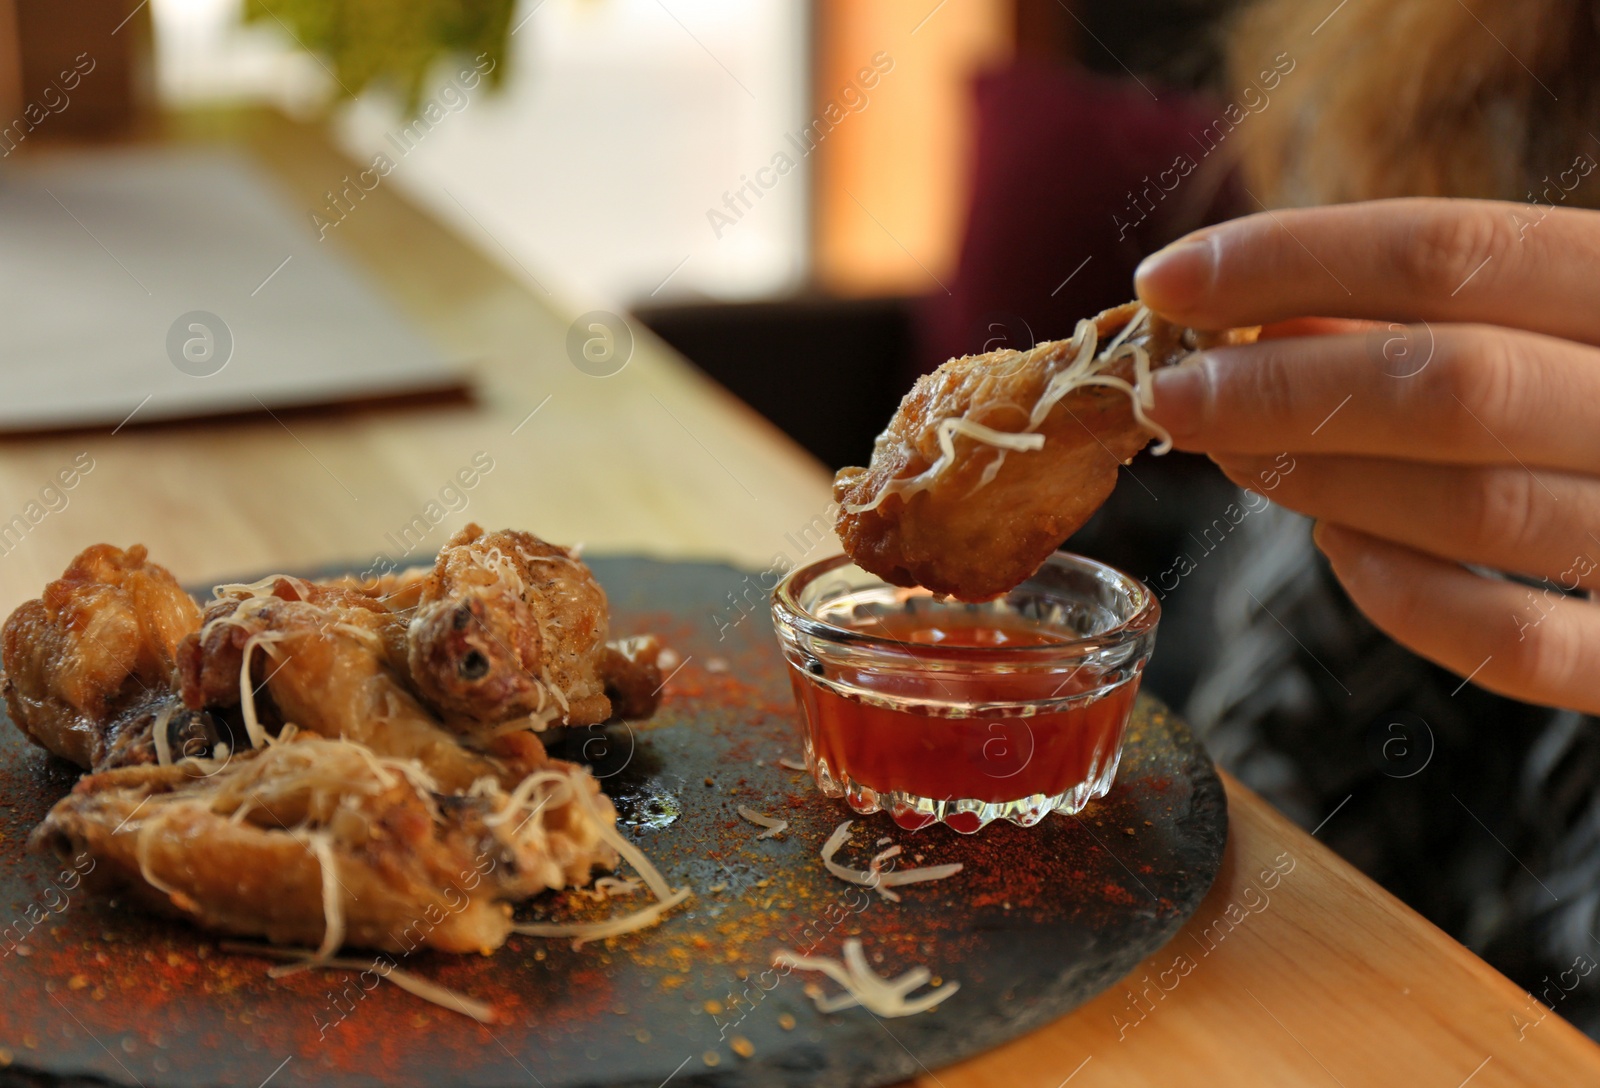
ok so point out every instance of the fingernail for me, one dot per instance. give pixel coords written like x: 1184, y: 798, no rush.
x: 1179, y: 394
x: 1175, y: 279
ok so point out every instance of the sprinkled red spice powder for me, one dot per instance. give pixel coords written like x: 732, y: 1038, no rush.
x: 164, y: 989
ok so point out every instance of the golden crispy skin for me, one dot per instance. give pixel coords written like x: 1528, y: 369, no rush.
x: 988, y: 518
x: 96, y: 645
x: 508, y: 625
x: 632, y: 674
x: 310, y: 794
x: 319, y: 663
x: 472, y: 644
x: 233, y: 845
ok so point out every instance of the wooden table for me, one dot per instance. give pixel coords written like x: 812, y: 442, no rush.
x: 1316, y: 977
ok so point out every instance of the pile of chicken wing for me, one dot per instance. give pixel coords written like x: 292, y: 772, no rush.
x: 335, y: 762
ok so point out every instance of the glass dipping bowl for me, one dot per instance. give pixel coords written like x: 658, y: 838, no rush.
x: 938, y: 710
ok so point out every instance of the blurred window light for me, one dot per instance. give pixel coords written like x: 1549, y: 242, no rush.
x: 627, y: 135
x: 205, y: 54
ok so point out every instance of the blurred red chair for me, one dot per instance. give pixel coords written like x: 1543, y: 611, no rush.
x: 1075, y: 177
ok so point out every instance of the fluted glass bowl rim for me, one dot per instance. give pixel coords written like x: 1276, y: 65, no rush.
x: 789, y: 612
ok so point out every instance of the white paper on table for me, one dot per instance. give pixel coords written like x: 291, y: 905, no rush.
x: 102, y: 251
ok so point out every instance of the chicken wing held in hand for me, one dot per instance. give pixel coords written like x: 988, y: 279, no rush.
x: 993, y: 460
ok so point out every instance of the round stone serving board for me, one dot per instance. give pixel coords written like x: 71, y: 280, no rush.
x: 1040, y: 920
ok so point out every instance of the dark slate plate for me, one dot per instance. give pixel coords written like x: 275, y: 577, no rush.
x: 1041, y: 919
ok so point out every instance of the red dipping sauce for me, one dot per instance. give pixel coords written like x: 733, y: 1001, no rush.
x: 965, y: 713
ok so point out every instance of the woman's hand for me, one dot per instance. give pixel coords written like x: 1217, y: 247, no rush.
x: 1448, y: 415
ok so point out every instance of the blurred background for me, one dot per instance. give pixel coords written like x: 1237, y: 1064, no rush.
x: 813, y: 201
x: 622, y: 154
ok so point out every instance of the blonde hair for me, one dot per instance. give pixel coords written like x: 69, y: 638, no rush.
x: 1468, y: 98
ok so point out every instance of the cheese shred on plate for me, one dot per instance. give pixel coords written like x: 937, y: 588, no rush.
x: 873, y: 876
x: 416, y: 985
x: 773, y: 826
x: 865, y: 987
x: 582, y: 932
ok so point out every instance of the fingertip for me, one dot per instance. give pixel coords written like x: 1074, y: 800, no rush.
x: 1361, y: 562
x: 1176, y: 279
x: 1339, y: 544
x: 1179, y: 395
x: 1356, y: 566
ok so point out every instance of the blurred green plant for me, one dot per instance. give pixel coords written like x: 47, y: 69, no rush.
x: 391, y: 41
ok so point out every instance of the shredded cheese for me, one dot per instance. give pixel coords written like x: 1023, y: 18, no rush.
x: 901, y: 877
x: 873, y: 876
x: 792, y: 764
x: 247, y: 694
x: 773, y: 827
x: 142, y: 855
x: 503, y: 569
x: 498, y: 564
x: 609, y: 887
x: 1087, y: 368
x: 261, y: 587
x: 306, y: 960
x: 320, y: 843
x: 360, y: 634
x: 582, y: 932
x: 1004, y: 440
x: 443, y: 996
x: 865, y: 987
x: 569, y: 558
x: 322, y: 778
x: 158, y: 733
x: 634, y: 856
x: 535, y: 722
x: 521, y: 797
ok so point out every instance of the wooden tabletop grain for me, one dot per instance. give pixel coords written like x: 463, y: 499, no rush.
x: 1295, y: 970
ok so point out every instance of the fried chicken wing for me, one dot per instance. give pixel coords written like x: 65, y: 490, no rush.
x: 478, y: 623
x: 991, y: 461
x: 318, y: 842
x: 509, y: 626
x: 316, y: 658
x: 321, y: 763
x: 94, y: 650
x: 631, y: 670
x: 160, y: 730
